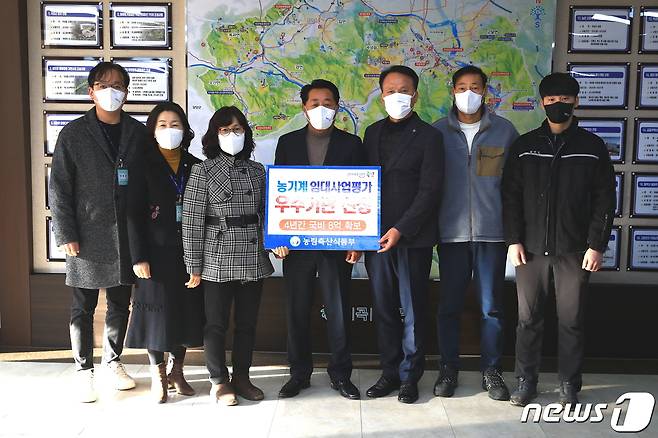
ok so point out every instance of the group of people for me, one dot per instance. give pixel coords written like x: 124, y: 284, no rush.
x: 131, y: 205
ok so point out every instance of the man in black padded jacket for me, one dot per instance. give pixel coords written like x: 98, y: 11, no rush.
x: 558, y: 193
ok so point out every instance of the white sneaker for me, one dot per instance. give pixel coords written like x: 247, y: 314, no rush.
x: 121, y: 380
x: 85, y: 386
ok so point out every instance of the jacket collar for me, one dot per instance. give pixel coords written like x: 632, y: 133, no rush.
x: 219, y: 171
x: 485, y: 121
x: 410, y: 132
x: 127, y: 132
x: 186, y: 159
x: 545, y: 130
x: 565, y: 137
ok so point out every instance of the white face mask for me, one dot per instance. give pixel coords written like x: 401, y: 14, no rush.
x: 398, y: 105
x: 468, y: 102
x: 321, y: 117
x: 110, y: 99
x: 231, y: 143
x: 169, y: 138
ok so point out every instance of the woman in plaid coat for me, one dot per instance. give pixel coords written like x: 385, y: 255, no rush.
x: 223, y: 215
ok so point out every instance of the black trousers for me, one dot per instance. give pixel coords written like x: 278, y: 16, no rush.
x: 81, y: 327
x: 334, y: 274
x: 533, y: 281
x: 218, y: 300
x: 400, y: 282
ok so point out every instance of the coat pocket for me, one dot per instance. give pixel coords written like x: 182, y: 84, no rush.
x: 490, y: 160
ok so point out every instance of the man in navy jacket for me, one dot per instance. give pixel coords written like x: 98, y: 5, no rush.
x: 410, y: 153
x: 319, y: 143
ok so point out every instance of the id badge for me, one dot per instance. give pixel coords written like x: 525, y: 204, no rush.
x: 179, y: 210
x: 122, y: 176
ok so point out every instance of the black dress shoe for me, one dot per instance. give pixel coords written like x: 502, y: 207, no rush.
x: 447, y: 382
x: 494, y: 384
x: 408, y: 392
x: 346, y: 388
x: 292, y: 387
x: 383, y: 387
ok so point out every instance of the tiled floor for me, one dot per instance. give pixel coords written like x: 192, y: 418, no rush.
x: 36, y: 401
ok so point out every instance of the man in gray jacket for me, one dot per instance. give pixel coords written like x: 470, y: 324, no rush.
x: 91, y: 168
x: 471, y: 241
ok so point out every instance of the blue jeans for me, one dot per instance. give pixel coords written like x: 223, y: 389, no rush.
x: 459, y: 263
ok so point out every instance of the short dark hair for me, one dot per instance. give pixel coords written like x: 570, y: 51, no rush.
x: 224, y: 117
x: 103, y: 68
x: 469, y: 70
x: 152, y: 121
x: 402, y: 69
x: 559, y: 84
x: 317, y: 84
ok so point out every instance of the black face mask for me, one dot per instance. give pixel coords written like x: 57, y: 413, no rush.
x: 559, y: 112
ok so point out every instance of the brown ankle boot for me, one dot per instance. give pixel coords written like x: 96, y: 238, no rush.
x: 224, y: 394
x: 245, y: 389
x: 177, y: 380
x: 159, y: 382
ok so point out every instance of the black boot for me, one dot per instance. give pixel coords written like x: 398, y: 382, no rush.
x: 525, y: 393
x: 494, y: 384
x: 447, y: 382
x: 408, y: 392
x: 568, y: 393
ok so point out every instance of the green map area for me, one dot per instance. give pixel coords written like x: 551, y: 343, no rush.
x: 258, y: 56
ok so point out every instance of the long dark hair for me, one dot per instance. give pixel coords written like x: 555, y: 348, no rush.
x: 224, y: 117
x: 152, y: 120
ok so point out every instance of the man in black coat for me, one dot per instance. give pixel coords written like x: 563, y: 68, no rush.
x: 410, y: 153
x: 319, y: 143
x: 92, y: 163
x: 558, y: 192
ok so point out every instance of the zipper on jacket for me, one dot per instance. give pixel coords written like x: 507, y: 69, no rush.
x: 549, y: 190
x: 548, y: 199
x: 470, y: 195
x: 470, y: 179
x: 470, y: 184
x: 548, y: 209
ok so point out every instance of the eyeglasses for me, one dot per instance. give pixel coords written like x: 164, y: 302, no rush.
x: 226, y: 131
x: 104, y: 85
